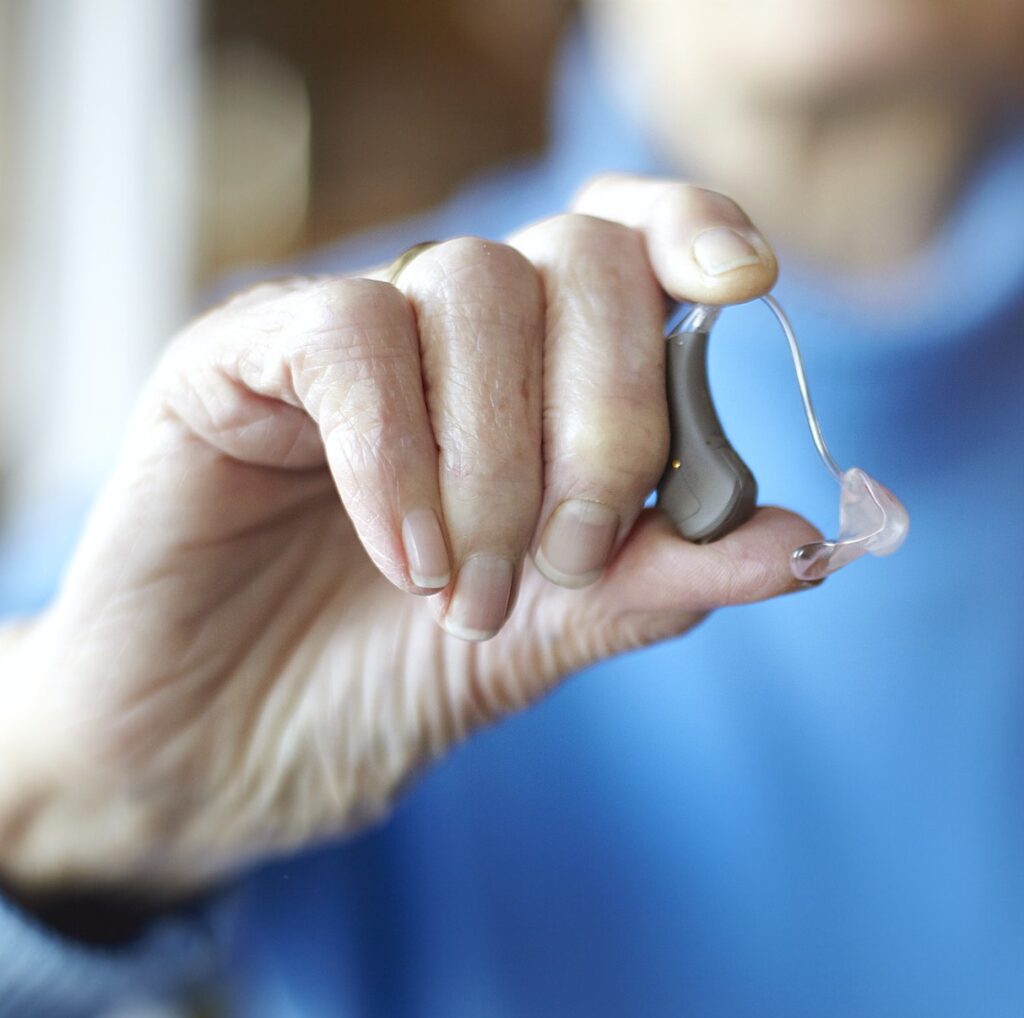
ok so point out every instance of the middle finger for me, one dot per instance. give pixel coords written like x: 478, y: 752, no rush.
x: 479, y: 309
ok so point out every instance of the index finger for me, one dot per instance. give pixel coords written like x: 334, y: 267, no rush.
x: 702, y: 245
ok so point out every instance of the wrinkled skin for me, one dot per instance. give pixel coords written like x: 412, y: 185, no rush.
x: 239, y: 663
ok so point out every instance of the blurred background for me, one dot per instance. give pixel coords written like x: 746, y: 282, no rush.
x: 148, y: 149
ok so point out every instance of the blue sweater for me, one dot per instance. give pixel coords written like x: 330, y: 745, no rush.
x: 809, y: 807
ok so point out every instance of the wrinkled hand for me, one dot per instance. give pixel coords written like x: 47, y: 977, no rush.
x: 237, y: 664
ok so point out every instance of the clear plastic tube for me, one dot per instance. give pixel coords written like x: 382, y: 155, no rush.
x: 871, y: 518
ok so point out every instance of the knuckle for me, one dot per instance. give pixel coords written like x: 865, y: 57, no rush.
x: 343, y: 355
x: 573, y: 233
x: 337, y: 311
x: 627, y: 450
x: 487, y: 293
x: 361, y: 324
x: 469, y: 267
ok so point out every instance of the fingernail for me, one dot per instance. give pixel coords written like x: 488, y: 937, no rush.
x: 425, y: 550
x: 800, y: 585
x: 577, y: 542
x: 721, y: 250
x: 480, y: 601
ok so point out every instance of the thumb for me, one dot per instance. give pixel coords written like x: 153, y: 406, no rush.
x: 663, y: 583
x: 658, y: 586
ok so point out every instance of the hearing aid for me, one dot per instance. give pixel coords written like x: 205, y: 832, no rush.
x: 708, y: 491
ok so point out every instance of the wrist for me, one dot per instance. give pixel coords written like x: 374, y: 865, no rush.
x: 61, y: 830
x: 24, y: 792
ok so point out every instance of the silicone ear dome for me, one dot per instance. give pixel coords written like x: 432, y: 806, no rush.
x: 871, y: 520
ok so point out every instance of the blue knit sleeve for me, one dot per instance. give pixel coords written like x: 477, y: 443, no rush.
x: 46, y: 976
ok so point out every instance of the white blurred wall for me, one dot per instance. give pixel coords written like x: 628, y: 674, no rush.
x: 97, y: 228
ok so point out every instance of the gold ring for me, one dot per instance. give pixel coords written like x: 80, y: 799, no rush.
x: 402, y: 262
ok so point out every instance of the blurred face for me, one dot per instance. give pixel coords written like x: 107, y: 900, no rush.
x: 804, y: 51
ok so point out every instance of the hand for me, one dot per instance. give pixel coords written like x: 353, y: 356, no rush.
x: 238, y: 664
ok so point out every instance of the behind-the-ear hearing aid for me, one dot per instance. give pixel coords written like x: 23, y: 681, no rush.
x: 707, y: 490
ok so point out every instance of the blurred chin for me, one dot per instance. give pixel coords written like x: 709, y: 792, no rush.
x: 839, y: 48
